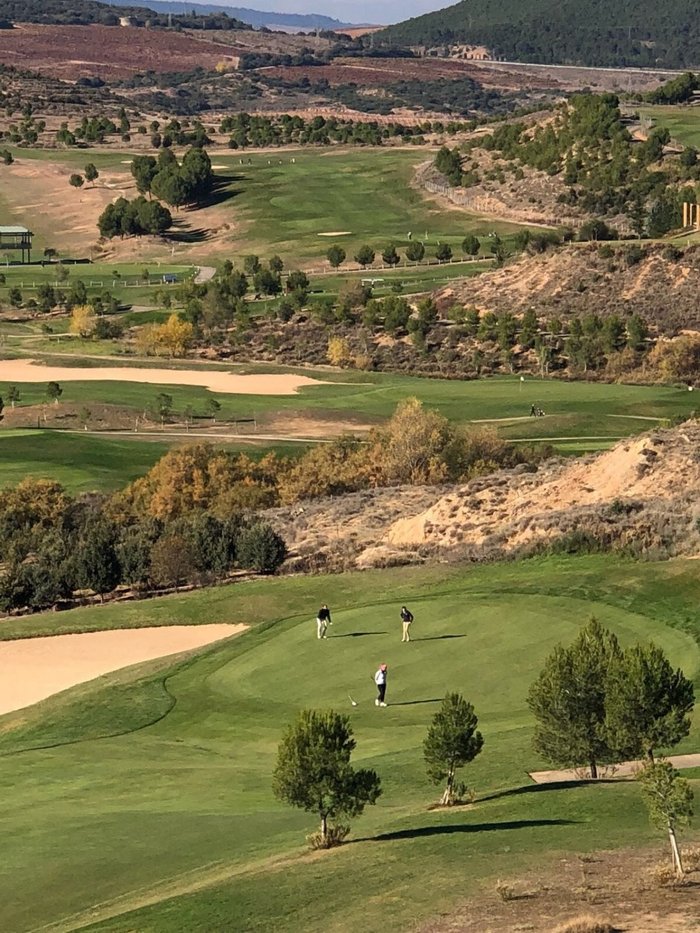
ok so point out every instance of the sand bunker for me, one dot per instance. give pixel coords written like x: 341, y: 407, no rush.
x: 32, y: 669
x: 216, y: 381
x: 337, y: 233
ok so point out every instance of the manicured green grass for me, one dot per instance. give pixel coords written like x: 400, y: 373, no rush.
x: 683, y: 122
x: 588, y: 415
x: 90, y: 463
x: 80, y: 463
x: 125, y: 281
x: 364, y: 193
x: 145, y: 797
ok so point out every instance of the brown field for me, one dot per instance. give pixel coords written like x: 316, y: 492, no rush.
x: 379, y: 72
x: 41, y: 191
x: 71, y: 52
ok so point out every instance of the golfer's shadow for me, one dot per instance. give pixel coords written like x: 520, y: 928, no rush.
x: 437, y: 637
x: 358, y: 634
x: 417, y: 702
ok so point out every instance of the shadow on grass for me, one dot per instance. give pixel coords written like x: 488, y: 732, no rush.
x: 221, y: 190
x: 358, y: 634
x: 468, y: 828
x: 181, y: 233
x: 541, y: 788
x: 437, y: 637
x: 416, y: 702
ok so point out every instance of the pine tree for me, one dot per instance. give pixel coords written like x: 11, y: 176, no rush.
x: 648, y: 702
x: 568, y: 700
x: 314, y: 773
x: 452, y: 742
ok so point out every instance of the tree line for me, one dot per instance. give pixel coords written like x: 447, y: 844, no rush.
x: 56, y: 546
x: 604, y: 172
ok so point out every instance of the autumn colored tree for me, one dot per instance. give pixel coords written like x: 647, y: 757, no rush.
x: 83, y: 321
x: 338, y: 352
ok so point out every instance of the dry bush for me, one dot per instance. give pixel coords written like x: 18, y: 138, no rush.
x: 505, y: 891
x: 335, y: 836
x: 691, y: 858
x: 663, y: 875
x: 585, y: 924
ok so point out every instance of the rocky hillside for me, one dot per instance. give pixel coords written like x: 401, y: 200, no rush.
x: 660, y: 284
x: 641, y: 497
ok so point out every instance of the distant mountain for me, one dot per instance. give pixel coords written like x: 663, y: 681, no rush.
x: 584, y: 32
x: 88, y: 12
x: 256, y: 18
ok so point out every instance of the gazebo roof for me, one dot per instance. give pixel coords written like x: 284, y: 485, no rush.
x: 13, y: 229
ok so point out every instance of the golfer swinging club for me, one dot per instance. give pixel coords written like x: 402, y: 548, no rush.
x: 380, y: 681
x: 323, y: 620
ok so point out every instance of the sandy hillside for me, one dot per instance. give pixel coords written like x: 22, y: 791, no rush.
x: 37, y: 193
x: 642, y: 494
x: 13, y: 371
x: 32, y: 669
x: 578, y: 279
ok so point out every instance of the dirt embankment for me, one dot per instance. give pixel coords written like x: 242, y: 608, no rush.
x: 661, y: 287
x: 640, y: 497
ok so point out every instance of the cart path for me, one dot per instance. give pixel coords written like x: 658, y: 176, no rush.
x: 624, y: 769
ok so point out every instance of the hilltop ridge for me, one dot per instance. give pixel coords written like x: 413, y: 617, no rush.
x: 585, y: 32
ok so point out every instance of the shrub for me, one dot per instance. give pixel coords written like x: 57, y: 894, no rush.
x: 585, y: 924
x: 261, y: 549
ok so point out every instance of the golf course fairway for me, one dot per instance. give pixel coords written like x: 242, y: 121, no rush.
x: 142, y: 801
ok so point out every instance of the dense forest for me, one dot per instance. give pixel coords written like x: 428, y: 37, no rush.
x: 87, y: 12
x: 586, y: 32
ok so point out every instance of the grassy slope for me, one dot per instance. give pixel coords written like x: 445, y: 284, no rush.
x: 367, y: 192
x: 574, y: 409
x: 683, y: 122
x: 81, y: 464
x: 183, y: 804
x: 580, y: 416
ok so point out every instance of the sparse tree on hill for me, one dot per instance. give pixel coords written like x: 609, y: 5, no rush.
x: 648, y: 703
x: 415, y: 251
x: 314, y: 773
x: 390, y: 255
x: 91, y: 173
x: 13, y: 395
x: 471, y: 245
x: 251, y: 265
x: 213, y: 408
x: 443, y: 252
x: 365, y: 256
x: 336, y: 256
x: 164, y: 405
x: 669, y: 799
x: 452, y: 742
x: 568, y: 700
x: 54, y: 392
x: 76, y: 180
x: 276, y: 265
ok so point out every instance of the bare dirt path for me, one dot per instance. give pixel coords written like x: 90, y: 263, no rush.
x: 204, y: 274
x: 624, y: 769
x: 32, y: 669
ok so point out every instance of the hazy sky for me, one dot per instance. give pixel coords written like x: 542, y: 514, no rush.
x: 350, y: 11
